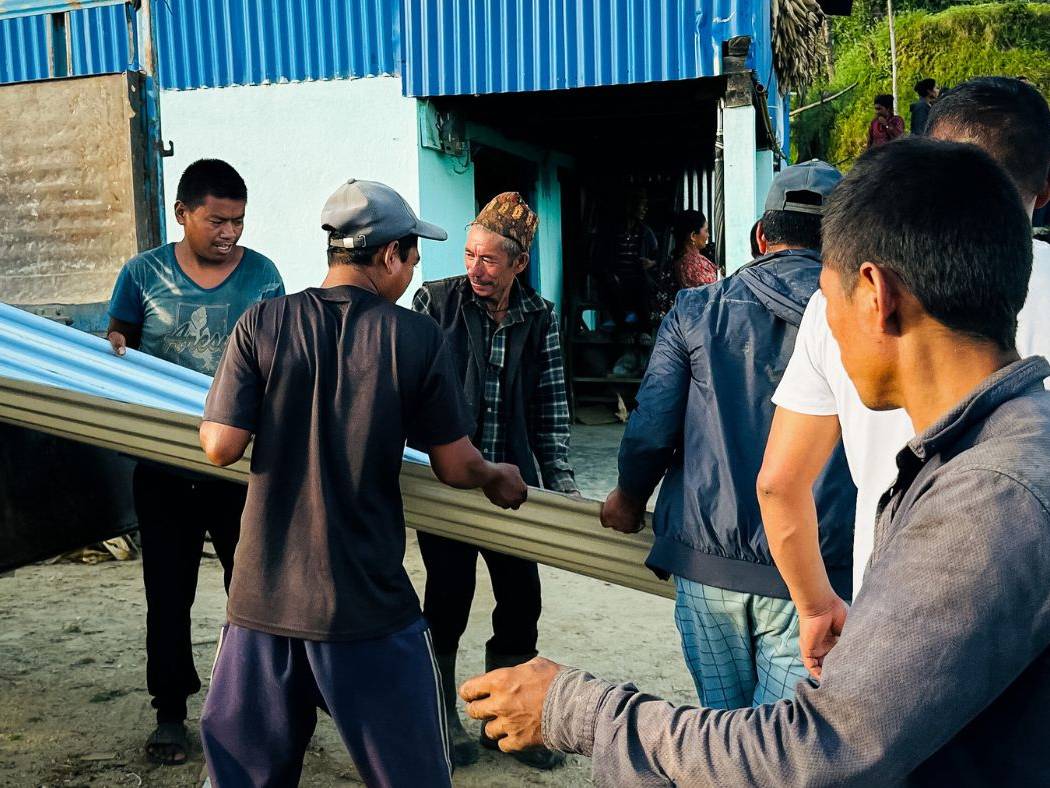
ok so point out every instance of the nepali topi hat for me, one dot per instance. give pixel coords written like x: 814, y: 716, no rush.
x: 508, y: 214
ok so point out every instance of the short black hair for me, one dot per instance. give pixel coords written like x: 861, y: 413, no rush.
x: 1007, y: 118
x: 210, y: 177
x: 338, y: 255
x: 885, y: 100
x: 924, y: 86
x: 794, y: 228
x: 955, y: 232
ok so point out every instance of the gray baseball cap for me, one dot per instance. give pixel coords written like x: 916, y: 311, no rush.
x: 370, y: 214
x: 816, y: 178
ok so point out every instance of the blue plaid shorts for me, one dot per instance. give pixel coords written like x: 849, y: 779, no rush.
x: 742, y: 649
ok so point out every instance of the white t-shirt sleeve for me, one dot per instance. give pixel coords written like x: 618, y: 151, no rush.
x: 1033, y: 323
x: 805, y: 388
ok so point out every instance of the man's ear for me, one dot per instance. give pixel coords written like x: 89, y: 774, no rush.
x: 881, y: 290
x: 521, y: 263
x: 760, y: 238
x: 181, y: 210
x: 392, y: 257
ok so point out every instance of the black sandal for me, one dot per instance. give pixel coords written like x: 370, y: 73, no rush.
x: 172, y: 735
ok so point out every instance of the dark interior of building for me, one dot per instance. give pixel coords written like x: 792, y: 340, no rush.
x: 641, y: 154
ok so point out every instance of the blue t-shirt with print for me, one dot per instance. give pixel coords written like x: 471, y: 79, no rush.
x: 181, y: 321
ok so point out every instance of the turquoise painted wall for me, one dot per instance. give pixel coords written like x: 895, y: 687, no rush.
x: 446, y: 197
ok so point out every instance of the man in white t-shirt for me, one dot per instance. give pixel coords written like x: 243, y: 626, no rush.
x: 817, y: 403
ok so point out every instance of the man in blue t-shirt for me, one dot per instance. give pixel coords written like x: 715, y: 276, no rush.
x: 180, y: 302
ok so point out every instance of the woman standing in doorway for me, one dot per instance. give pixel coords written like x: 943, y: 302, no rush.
x: 691, y: 236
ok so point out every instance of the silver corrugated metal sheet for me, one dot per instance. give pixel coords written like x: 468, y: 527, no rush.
x: 457, y: 47
x: 57, y: 380
x: 215, y: 43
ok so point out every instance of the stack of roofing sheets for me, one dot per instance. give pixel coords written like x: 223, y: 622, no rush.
x: 62, y: 381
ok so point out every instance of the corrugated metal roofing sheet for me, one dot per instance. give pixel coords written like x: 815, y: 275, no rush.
x: 99, y: 38
x: 215, y: 43
x: 13, y: 8
x: 211, y: 43
x: 462, y: 47
x: 38, y: 350
x: 58, y: 380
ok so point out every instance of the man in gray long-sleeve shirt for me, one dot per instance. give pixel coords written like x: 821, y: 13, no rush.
x: 942, y: 672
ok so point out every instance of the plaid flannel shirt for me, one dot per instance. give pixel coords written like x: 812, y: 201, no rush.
x: 549, y: 406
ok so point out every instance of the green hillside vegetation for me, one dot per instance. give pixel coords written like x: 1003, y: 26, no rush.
x: 950, y: 46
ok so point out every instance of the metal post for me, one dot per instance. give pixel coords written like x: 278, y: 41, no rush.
x: 893, y: 51
x: 147, y: 38
x: 718, y: 212
x: 739, y: 160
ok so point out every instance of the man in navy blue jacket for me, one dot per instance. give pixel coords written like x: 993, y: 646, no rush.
x: 703, y: 415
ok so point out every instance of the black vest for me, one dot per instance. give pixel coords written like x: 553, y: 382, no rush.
x: 465, y: 332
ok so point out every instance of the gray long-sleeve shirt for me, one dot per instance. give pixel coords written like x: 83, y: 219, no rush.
x: 942, y: 673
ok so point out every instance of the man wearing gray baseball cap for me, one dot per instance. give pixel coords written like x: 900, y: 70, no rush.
x: 703, y: 413
x: 332, y: 382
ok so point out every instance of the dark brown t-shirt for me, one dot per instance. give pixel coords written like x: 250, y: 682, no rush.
x: 332, y: 382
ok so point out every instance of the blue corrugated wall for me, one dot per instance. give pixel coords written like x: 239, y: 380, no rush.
x: 499, y: 46
x: 214, y: 43
x: 451, y: 47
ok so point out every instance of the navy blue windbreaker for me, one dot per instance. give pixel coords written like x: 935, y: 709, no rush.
x: 703, y: 417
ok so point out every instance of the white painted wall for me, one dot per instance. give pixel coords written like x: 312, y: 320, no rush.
x: 293, y: 144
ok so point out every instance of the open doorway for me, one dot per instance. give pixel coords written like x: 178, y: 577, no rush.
x: 621, y: 164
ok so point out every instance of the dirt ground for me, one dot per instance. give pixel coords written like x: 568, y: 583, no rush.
x: 73, y: 705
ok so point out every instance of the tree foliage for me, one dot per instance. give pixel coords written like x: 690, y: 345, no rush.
x: 950, y: 45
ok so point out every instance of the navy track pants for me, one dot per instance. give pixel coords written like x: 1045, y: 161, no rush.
x: 383, y: 695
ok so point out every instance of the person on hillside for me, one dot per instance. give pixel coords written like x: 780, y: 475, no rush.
x: 886, y: 126
x: 179, y: 302
x: 927, y: 91
x: 331, y: 382
x: 703, y: 412
x: 942, y: 675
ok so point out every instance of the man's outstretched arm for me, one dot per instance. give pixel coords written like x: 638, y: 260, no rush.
x: 654, y: 430
x: 917, y: 663
x: 798, y: 449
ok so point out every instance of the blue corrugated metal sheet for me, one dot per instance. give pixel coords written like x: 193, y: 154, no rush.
x: 462, y: 47
x: 215, y: 43
x: 23, y: 49
x: 39, y: 350
x: 210, y: 43
x: 99, y: 37
x: 13, y: 8
x: 101, y: 41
